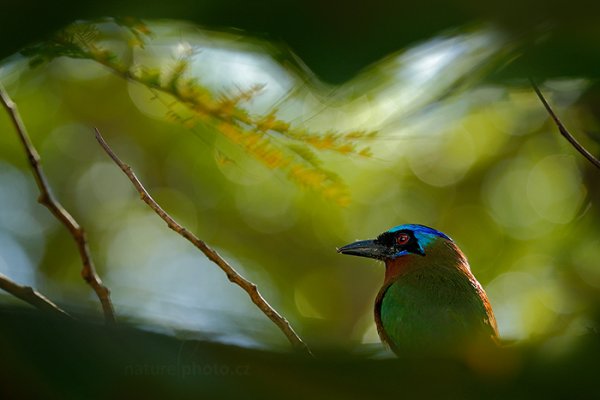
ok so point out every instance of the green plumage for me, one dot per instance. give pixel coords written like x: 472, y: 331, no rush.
x: 430, y: 301
x: 432, y: 310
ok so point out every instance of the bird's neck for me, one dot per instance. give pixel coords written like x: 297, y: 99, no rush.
x: 440, y: 254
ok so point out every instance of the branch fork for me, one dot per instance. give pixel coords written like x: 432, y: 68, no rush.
x: 47, y: 199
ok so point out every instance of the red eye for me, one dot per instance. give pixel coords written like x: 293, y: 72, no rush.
x: 402, y: 239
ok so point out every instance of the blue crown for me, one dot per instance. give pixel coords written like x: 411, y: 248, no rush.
x: 420, y: 229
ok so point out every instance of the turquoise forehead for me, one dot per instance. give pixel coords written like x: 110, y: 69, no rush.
x: 420, y: 230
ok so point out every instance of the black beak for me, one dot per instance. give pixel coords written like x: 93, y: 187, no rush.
x: 365, y: 248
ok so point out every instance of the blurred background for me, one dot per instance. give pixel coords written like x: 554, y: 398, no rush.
x: 431, y: 123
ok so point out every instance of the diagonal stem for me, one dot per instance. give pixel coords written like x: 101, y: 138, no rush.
x: 563, y: 130
x: 46, y: 198
x: 210, y: 253
x: 31, y: 296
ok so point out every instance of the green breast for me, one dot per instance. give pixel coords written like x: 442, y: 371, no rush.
x: 433, y: 309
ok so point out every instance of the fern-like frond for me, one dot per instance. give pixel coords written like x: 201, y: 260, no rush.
x: 267, y: 138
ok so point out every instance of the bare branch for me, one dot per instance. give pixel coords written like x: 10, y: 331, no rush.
x: 210, y: 253
x: 563, y: 130
x: 29, y: 295
x: 47, y: 199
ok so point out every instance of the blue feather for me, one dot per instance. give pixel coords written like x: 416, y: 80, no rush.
x: 424, y: 234
x: 420, y: 229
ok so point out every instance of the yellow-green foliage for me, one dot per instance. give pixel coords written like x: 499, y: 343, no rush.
x: 272, y: 141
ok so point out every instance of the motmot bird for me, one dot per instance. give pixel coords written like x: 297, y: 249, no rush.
x: 430, y: 300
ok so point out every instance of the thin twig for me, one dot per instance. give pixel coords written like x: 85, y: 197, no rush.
x: 563, y: 130
x: 210, y: 253
x: 47, y: 199
x: 31, y: 296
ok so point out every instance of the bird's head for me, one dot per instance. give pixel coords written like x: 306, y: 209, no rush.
x: 397, y: 242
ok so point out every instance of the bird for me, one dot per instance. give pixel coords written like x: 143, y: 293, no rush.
x: 430, y: 301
